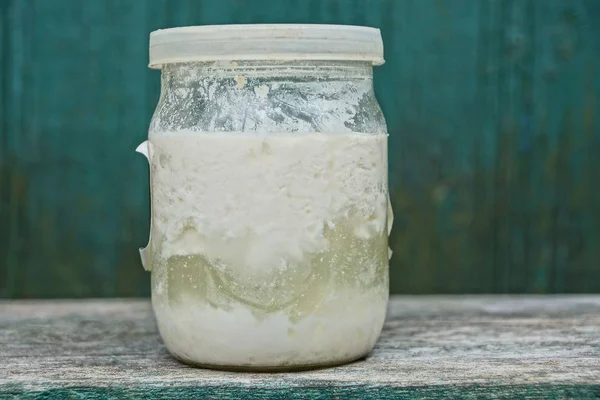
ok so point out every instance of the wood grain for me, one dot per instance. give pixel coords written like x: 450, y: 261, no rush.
x: 431, y: 347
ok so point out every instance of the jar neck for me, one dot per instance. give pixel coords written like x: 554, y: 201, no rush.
x: 253, y: 96
x: 307, y: 69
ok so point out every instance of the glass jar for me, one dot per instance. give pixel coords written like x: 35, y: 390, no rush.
x: 269, y: 194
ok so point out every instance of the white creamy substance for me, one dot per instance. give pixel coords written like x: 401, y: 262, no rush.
x: 269, y: 250
x: 343, y: 329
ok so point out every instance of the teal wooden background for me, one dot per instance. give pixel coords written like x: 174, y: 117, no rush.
x: 492, y: 108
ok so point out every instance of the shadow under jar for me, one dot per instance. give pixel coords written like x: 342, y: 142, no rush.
x: 269, y: 193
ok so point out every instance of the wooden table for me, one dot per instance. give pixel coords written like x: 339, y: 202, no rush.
x: 432, y: 347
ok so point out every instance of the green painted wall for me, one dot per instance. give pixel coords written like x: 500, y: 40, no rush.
x: 492, y: 108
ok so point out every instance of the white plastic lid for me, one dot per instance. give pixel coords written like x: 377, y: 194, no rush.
x: 266, y: 42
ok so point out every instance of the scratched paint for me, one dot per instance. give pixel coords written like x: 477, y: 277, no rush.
x: 492, y: 108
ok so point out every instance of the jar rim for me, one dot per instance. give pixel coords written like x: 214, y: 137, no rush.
x: 281, y: 42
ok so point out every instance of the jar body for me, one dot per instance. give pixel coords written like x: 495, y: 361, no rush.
x: 270, y: 213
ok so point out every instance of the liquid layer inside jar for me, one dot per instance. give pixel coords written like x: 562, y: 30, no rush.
x: 281, y: 223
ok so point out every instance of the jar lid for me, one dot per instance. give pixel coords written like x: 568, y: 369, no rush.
x: 285, y: 42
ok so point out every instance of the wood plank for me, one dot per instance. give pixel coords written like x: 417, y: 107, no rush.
x: 433, y: 346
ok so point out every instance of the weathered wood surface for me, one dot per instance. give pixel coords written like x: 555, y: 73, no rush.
x: 492, y: 108
x: 432, y: 347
